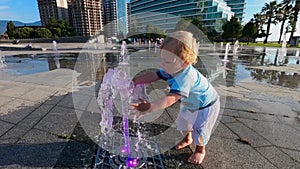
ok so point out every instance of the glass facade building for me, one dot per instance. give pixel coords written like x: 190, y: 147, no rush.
x: 122, y: 17
x: 110, y: 17
x: 238, y: 7
x: 115, y: 17
x: 166, y: 14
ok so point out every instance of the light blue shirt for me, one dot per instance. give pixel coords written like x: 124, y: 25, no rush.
x: 195, y: 89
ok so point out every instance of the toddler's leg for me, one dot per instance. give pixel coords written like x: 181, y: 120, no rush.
x: 198, y: 155
x: 187, y: 140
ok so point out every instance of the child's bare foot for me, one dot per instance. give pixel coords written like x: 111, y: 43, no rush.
x: 187, y: 140
x: 196, y: 158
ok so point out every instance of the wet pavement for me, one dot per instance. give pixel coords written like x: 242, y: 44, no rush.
x: 42, y: 117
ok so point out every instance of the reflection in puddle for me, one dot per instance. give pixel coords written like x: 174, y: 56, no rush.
x: 266, y: 65
x: 284, y: 79
x: 250, y: 64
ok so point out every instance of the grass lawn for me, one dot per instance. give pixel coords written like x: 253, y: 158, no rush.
x: 268, y: 44
x: 261, y: 44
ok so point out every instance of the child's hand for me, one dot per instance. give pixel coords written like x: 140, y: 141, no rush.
x: 141, y: 107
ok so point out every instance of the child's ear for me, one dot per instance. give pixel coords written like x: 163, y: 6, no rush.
x: 185, y: 63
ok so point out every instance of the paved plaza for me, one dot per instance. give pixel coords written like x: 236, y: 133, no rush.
x: 41, y: 122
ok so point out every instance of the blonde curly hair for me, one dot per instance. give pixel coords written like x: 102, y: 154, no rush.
x: 183, y: 45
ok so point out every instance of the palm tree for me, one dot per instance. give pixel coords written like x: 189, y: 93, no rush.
x: 294, y: 17
x: 269, y: 10
x: 282, y: 14
x: 259, y: 21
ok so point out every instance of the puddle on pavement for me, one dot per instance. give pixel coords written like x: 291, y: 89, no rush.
x: 253, y: 65
x: 239, y: 68
x: 18, y: 65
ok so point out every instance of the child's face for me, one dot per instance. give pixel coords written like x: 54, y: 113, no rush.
x: 170, y: 63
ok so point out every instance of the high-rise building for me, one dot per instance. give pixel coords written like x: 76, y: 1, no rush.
x: 115, y: 16
x: 86, y: 16
x: 122, y: 16
x: 166, y: 14
x: 53, y: 9
x: 238, y: 7
x: 110, y: 17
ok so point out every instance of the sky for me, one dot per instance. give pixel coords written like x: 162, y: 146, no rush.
x: 253, y: 7
x: 27, y: 11
x: 19, y: 10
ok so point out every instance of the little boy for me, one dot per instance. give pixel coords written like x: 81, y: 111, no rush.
x: 200, y: 101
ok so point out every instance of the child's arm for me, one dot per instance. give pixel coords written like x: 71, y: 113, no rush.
x: 145, y: 107
x: 146, y: 78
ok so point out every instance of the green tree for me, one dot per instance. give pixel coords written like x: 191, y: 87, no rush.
x: 60, y: 28
x: 250, y: 31
x: 133, y: 28
x: 153, y: 32
x: 294, y: 17
x: 269, y: 11
x: 43, y: 33
x: 24, y: 32
x: 10, y: 29
x: 56, y: 32
x: 159, y: 33
x: 282, y: 14
x: 259, y: 21
x: 197, y: 21
x: 232, y: 29
x: 213, y: 35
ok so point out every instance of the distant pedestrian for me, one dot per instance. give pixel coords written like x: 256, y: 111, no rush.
x: 29, y: 45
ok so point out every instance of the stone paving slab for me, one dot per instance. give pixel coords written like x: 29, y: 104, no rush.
x: 5, y: 126
x: 16, y: 91
x: 278, y: 134
x: 293, y: 122
x: 231, y: 154
x: 255, y: 139
x: 278, y: 157
x: 20, y: 108
x: 292, y: 153
x: 5, y: 99
x: 44, y: 124
x: 225, y: 132
x: 35, y: 150
x: 258, y: 116
x: 60, y: 121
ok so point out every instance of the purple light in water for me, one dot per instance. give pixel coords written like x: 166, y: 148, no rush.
x: 123, y: 150
x: 131, y: 162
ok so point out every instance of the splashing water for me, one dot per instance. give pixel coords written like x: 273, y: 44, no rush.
x: 284, y: 40
x: 124, y: 57
x: 225, y: 59
x: 2, y: 60
x: 282, y: 51
x: 117, y: 83
x: 56, y: 54
x: 221, y: 45
x: 105, y: 101
x: 54, y: 45
x: 236, y: 46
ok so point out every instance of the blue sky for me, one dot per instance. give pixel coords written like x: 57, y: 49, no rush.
x: 19, y: 10
x: 27, y: 10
